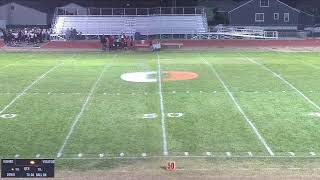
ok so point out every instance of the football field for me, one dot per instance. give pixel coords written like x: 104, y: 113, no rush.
x: 164, y: 104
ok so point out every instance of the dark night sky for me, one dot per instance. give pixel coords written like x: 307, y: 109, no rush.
x: 46, y: 2
x: 43, y: 4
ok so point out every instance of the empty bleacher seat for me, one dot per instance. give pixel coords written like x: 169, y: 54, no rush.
x: 146, y: 25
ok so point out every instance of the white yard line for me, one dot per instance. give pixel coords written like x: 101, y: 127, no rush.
x: 16, y: 61
x: 284, y: 80
x: 7, y: 66
x: 83, y: 108
x: 29, y: 87
x: 253, y: 127
x: 300, y: 60
x: 310, y: 65
x: 163, y: 126
x: 307, y: 64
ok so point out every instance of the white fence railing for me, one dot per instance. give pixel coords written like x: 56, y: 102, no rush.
x: 221, y: 32
x: 130, y: 11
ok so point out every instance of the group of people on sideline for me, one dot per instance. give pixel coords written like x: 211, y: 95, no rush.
x: 110, y: 42
x: 34, y: 36
x: 73, y: 34
x: 31, y: 36
x: 123, y: 41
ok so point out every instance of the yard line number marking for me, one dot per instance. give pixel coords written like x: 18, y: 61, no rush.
x: 154, y: 115
x: 8, y: 116
x: 253, y: 127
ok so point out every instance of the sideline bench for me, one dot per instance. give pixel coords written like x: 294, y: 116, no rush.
x: 168, y: 44
x: 142, y: 45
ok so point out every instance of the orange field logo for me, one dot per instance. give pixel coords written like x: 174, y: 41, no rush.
x: 147, y: 77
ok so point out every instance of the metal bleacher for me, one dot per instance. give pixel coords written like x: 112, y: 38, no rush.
x: 186, y: 23
x: 148, y: 21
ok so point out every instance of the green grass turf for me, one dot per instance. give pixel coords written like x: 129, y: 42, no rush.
x: 112, y: 121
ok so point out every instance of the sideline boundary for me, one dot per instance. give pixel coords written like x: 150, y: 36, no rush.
x: 195, y: 157
x: 211, y: 155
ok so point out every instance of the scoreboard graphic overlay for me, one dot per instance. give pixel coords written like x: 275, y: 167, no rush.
x: 27, y: 168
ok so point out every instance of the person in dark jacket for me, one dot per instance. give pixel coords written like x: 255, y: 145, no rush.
x: 103, y: 42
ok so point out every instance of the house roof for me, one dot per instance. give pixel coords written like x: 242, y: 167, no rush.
x: 50, y: 5
x: 31, y: 4
x: 244, y: 4
x: 280, y: 1
x: 38, y: 5
x: 222, y: 5
x: 309, y: 6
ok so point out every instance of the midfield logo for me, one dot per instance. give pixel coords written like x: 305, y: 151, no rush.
x: 151, y: 76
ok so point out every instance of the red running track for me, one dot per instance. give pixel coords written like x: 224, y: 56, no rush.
x: 76, y: 44
x: 93, y: 44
